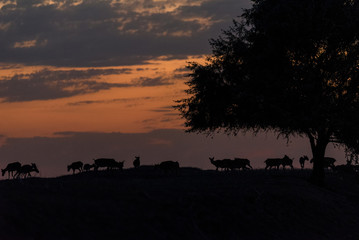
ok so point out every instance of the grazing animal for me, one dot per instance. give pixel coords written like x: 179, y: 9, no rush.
x: 286, y: 161
x: 119, y: 165
x: 87, y: 167
x: 136, y: 162
x: 327, y: 163
x: 108, y: 163
x: 26, y: 169
x: 75, y: 166
x: 221, y: 164
x: 302, y: 161
x: 276, y: 162
x: 216, y: 163
x: 227, y: 164
x: 273, y: 162
x: 239, y: 163
x: 11, y: 168
x: 168, y: 167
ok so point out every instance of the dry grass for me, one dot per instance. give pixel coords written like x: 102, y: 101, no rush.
x: 195, y: 204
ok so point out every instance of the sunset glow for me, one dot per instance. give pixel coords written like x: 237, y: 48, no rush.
x: 72, y: 72
x: 143, y: 103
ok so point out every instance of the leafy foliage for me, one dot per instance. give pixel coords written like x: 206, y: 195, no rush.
x: 285, y: 65
x: 291, y: 66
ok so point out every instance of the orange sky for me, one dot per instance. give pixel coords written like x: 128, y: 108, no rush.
x: 130, y: 109
x: 152, y: 41
x: 86, y: 79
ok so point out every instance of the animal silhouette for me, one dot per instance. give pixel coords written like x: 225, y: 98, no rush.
x: 229, y: 164
x: 216, y: 163
x: 276, y: 162
x: 286, y: 161
x: 87, y: 167
x: 108, y: 163
x: 75, y: 166
x: 119, y: 165
x: 302, y: 161
x: 26, y: 169
x: 240, y: 163
x: 11, y: 168
x: 221, y: 164
x: 168, y: 167
x: 328, y: 162
x: 136, y: 162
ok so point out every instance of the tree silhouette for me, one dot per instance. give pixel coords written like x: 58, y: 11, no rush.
x: 289, y: 66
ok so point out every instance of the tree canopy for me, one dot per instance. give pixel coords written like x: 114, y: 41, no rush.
x: 291, y: 66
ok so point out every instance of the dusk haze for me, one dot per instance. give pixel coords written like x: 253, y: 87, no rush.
x: 179, y: 119
x: 74, y: 72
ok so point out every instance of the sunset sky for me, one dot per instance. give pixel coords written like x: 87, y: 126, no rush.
x: 98, y: 78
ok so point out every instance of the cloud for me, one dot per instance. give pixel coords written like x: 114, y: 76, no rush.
x: 166, y: 109
x: 59, y: 75
x: 107, y: 33
x: 53, y: 84
x: 151, y: 82
x: 47, y: 84
x: 121, y: 100
x: 53, y: 154
x: 184, y: 69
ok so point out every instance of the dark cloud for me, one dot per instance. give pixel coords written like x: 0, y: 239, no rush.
x: 166, y: 120
x: 52, y: 84
x: 184, y: 69
x: 141, y: 69
x: 171, y: 114
x: 60, y: 75
x: 181, y: 73
x: 151, y: 82
x: 88, y: 102
x: 105, y: 33
x: 121, y: 100
x: 180, y: 76
x: 47, y: 84
x: 52, y: 155
x: 160, y: 110
x: 165, y: 109
x: 5, y: 66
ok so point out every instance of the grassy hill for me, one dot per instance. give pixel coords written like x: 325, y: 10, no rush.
x: 195, y: 204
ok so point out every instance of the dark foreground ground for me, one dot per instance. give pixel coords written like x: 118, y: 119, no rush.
x: 195, y: 204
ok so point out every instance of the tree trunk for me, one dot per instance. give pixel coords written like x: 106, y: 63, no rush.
x: 318, y: 173
x: 318, y: 150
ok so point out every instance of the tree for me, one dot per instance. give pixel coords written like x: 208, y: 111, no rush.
x: 290, y: 66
